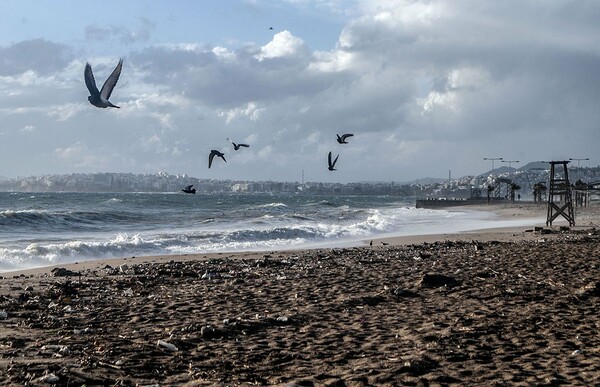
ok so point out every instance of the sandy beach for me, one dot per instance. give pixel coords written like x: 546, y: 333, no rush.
x: 514, y: 306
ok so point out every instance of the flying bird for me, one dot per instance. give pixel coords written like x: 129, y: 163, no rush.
x: 189, y: 189
x: 332, y: 164
x: 100, y: 98
x: 342, y: 139
x: 237, y: 146
x: 212, y: 155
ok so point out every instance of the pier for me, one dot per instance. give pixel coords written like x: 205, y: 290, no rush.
x: 444, y: 202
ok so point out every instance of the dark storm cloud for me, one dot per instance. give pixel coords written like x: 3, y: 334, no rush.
x: 203, y: 75
x: 39, y: 55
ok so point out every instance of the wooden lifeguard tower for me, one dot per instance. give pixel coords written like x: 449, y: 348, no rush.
x: 561, y: 188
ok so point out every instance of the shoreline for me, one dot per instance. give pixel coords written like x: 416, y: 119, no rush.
x: 533, y: 215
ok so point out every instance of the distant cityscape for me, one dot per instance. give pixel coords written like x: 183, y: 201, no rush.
x: 164, y: 182
x: 525, y: 178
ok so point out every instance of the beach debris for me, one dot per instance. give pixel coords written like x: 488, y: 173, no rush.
x: 404, y: 293
x: 56, y: 348
x: 166, y: 345
x: 29, y: 288
x: 208, y: 275
x: 208, y: 332
x: 124, y: 268
x: 49, y: 378
x: 477, y: 245
x: 590, y: 290
x: 3, y: 315
x: 64, y: 272
x: 64, y: 290
x: 437, y: 280
x: 486, y: 274
x: 419, y: 365
x: 81, y: 331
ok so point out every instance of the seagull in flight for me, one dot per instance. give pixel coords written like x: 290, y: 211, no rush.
x: 342, y: 139
x: 332, y: 164
x: 100, y: 98
x: 237, y: 146
x: 189, y: 189
x: 212, y: 155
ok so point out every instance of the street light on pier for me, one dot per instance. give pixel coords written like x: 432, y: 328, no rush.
x: 510, y: 162
x: 578, y: 164
x: 492, y: 159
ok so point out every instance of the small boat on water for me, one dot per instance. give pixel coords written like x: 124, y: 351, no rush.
x: 188, y: 189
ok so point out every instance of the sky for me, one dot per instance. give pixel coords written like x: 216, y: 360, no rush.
x: 426, y: 87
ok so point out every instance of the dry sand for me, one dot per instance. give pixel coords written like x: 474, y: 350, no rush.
x: 491, y: 306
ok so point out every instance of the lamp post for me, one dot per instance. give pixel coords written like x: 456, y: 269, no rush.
x: 510, y: 162
x: 578, y: 164
x: 492, y: 160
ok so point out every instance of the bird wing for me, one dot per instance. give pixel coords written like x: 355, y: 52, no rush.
x: 244, y: 145
x: 329, y: 159
x: 210, y: 158
x: 335, y: 161
x: 188, y: 187
x: 223, y: 157
x: 111, y: 82
x: 345, y: 136
x: 90, y: 82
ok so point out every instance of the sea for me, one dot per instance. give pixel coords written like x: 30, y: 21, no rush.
x: 42, y: 229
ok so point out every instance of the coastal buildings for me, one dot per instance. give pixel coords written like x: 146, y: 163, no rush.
x: 463, y: 187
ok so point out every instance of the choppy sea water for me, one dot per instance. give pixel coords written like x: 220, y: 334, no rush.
x: 40, y: 229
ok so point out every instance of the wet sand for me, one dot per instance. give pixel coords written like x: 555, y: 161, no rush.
x: 513, y: 306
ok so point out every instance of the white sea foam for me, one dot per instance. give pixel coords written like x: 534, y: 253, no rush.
x: 41, y: 254
x: 281, y: 205
x: 73, y: 227
x: 16, y: 212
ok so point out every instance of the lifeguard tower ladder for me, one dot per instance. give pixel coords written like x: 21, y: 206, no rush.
x: 561, y: 188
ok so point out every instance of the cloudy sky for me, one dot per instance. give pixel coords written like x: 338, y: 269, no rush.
x: 425, y: 86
